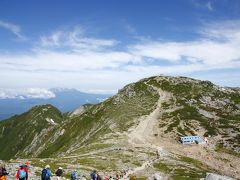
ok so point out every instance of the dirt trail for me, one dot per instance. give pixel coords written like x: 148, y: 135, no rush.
x: 143, y: 134
x: 90, y: 153
x: 133, y: 171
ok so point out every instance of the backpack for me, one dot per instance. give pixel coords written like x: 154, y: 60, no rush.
x: 73, y: 176
x: 93, y: 176
x: 22, y: 173
x: 59, y: 172
x: 44, y: 174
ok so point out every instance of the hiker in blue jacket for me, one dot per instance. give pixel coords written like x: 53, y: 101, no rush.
x: 46, y: 173
x: 74, y: 175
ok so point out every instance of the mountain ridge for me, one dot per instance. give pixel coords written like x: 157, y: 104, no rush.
x: 140, y: 126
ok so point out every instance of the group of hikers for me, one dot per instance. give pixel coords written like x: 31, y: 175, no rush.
x: 46, y: 174
x: 22, y: 172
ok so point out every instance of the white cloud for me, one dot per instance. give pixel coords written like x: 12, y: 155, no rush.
x: 209, y: 6
x: 16, y: 30
x: 62, y: 61
x: 203, y: 4
x: 217, y: 47
x: 26, y: 93
x: 71, y: 59
x: 75, y: 40
x: 222, y: 31
x: 130, y: 29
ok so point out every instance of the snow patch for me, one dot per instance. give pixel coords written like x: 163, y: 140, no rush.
x: 51, y: 121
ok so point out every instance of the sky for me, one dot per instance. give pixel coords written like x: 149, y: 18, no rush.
x: 100, y: 46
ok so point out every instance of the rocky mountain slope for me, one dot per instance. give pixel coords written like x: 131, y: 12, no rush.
x: 136, y: 130
x: 26, y: 134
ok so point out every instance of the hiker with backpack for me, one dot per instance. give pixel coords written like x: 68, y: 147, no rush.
x: 59, y: 173
x: 117, y: 177
x: 3, y: 172
x: 22, y: 173
x: 46, y: 173
x: 98, y: 176
x: 74, y: 175
x: 93, y: 175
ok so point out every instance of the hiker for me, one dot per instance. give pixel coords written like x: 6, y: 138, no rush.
x: 22, y: 173
x: 74, y: 175
x: 98, y: 176
x: 93, y: 175
x: 59, y: 173
x: 3, y: 172
x: 158, y: 154
x: 121, y: 174
x: 46, y: 173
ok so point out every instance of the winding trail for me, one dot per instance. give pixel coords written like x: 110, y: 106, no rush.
x: 143, y: 134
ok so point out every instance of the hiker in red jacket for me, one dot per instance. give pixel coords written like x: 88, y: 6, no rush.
x: 22, y: 173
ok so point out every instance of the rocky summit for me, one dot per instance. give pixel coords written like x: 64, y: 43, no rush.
x: 136, y: 131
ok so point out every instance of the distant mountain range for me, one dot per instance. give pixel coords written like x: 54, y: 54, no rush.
x: 64, y: 99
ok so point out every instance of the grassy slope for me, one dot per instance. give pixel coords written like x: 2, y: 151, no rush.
x: 19, y: 131
x: 119, y: 111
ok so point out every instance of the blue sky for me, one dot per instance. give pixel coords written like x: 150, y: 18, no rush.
x: 100, y: 46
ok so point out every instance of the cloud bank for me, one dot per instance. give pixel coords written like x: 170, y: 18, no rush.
x: 26, y: 93
x: 70, y: 58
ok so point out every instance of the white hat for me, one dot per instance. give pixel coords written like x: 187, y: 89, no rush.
x: 60, y: 168
x: 47, y: 166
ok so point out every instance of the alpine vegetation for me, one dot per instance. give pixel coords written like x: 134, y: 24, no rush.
x: 137, y: 131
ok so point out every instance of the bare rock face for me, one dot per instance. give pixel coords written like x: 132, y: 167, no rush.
x: 207, y: 114
x: 129, y: 91
x: 213, y: 176
x: 80, y: 110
